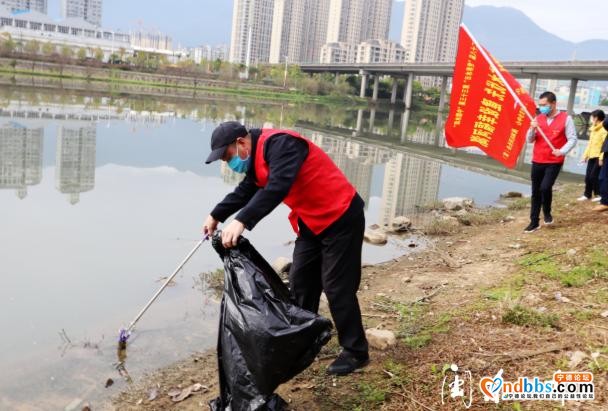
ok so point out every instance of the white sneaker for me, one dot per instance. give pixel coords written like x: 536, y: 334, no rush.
x: 597, y: 199
x: 582, y: 198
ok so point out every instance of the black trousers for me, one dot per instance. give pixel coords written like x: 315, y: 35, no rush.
x: 331, y: 262
x: 592, y: 178
x: 543, y: 178
x: 604, y: 182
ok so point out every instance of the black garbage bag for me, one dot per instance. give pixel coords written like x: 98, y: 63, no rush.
x: 264, y: 338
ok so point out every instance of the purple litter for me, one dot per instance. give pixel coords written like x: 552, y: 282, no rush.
x: 124, y: 335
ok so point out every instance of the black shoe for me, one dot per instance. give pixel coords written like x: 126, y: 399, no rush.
x: 548, y: 220
x: 532, y: 228
x: 346, y: 363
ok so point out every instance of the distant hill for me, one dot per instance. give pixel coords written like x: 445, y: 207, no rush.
x: 510, y: 35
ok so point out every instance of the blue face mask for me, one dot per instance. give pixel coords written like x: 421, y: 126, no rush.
x: 544, y: 110
x: 237, y: 164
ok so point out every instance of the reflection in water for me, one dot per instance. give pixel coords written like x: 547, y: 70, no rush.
x: 21, y: 152
x: 20, y: 157
x: 409, y: 182
x: 75, y: 166
x: 120, y: 365
x: 155, y: 167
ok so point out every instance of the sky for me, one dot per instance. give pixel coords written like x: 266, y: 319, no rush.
x: 195, y: 22
x: 188, y: 22
x: 573, y: 20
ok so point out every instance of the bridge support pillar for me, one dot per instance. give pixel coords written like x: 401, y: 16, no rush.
x: 438, y: 128
x: 391, y: 119
x: 533, y: 83
x: 405, y: 119
x: 407, y: 92
x: 572, y: 95
x: 442, y: 93
x: 336, y: 78
x: 376, y: 86
x: 364, y: 76
x: 394, y: 91
x: 359, y: 121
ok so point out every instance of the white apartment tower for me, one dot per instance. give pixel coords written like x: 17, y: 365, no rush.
x: 299, y: 29
x: 34, y: 5
x: 251, y: 31
x: 430, y: 30
x: 380, y: 51
x: 354, y: 21
x: 89, y: 10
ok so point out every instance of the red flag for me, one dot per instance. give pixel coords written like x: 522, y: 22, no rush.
x: 483, y: 109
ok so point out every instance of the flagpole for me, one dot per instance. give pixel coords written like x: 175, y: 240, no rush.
x: 507, y: 85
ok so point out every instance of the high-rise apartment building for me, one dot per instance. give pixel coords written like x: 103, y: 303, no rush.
x: 151, y: 40
x: 338, y: 52
x: 430, y: 30
x: 89, y: 10
x: 380, y: 51
x: 251, y: 31
x: 299, y: 29
x: 354, y: 21
x: 17, y: 5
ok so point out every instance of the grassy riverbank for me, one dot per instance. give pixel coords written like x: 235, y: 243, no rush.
x: 117, y: 78
x: 484, y: 296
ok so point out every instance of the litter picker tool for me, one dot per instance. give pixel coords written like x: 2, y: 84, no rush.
x: 125, y: 333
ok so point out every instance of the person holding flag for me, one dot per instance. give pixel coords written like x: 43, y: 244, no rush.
x: 553, y: 135
x: 490, y: 110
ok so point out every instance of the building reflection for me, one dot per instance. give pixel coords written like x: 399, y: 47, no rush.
x: 20, y: 157
x: 355, y: 159
x: 75, y: 164
x: 409, y: 182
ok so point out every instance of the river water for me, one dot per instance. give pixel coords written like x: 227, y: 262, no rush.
x: 101, y: 196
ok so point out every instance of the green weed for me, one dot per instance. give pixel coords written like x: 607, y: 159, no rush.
x: 526, y: 317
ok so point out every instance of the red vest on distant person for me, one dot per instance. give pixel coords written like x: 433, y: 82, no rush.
x: 556, y: 133
x: 320, y: 194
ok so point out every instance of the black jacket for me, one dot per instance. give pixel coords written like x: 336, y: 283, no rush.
x: 605, y: 145
x: 284, y: 155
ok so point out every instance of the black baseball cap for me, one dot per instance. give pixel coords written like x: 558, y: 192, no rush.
x: 224, y: 135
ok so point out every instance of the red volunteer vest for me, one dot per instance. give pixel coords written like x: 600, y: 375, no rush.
x: 556, y: 133
x: 320, y: 194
